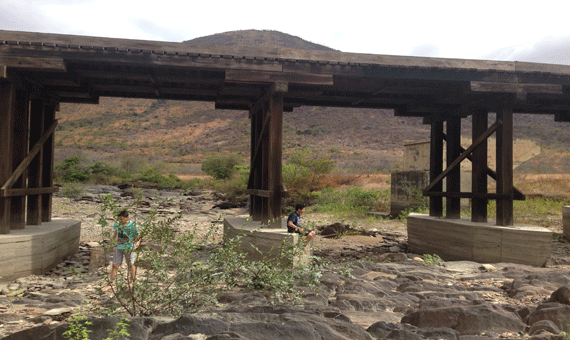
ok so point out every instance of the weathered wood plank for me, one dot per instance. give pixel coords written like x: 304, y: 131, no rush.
x: 34, y: 215
x: 454, y: 158
x: 436, y: 167
x: 504, y: 161
x: 26, y: 192
x: 481, y: 86
x: 260, y: 193
x: 270, y: 77
x: 34, y: 63
x: 7, y: 98
x: 480, y: 124
x: 20, y: 151
x: 48, y: 163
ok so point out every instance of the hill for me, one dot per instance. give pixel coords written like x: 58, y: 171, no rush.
x: 181, y: 134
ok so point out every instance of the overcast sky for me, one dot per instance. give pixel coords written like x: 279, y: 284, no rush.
x: 498, y: 30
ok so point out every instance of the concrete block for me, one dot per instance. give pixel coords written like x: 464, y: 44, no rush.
x: 566, y: 222
x: 406, y: 190
x: 461, y: 239
x: 37, y: 249
x: 257, y: 241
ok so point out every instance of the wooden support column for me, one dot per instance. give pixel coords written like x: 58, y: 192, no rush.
x: 436, y: 167
x: 48, y: 164
x: 505, y: 167
x: 265, y: 180
x: 276, y: 152
x: 20, y: 146
x: 453, y: 184
x: 34, y: 216
x: 479, y: 167
x: 7, y: 103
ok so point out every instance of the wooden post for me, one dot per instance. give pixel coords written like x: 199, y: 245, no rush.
x: 34, y: 216
x: 436, y: 167
x: 48, y: 164
x: 453, y: 183
x: 20, y: 151
x: 276, y: 153
x: 7, y: 100
x: 505, y: 167
x: 479, y: 167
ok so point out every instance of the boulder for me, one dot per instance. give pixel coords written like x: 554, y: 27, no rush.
x: 467, y: 319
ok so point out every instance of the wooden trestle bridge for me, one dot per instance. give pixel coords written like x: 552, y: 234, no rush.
x: 39, y: 71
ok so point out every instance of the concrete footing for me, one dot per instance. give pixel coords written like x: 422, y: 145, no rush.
x: 566, y: 222
x: 37, y: 249
x: 461, y: 239
x: 255, y: 235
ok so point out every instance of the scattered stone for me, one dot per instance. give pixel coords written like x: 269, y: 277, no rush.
x: 418, y: 259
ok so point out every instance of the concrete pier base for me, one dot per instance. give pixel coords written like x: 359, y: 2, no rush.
x: 254, y: 235
x: 37, y: 248
x: 461, y: 239
x: 566, y: 222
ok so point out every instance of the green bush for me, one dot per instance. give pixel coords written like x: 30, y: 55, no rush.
x: 72, y: 190
x: 236, y: 185
x: 180, y: 277
x: 71, y: 170
x: 220, y: 166
x: 353, y: 201
x: 303, y: 174
x: 151, y: 175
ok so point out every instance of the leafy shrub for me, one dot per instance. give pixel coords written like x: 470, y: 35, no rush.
x: 304, y: 174
x: 236, y: 185
x: 72, y: 190
x: 352, y: 201
x: 151, y: 175
x: 179, y: 277
x: 70, y: 170
x: 220, y: 166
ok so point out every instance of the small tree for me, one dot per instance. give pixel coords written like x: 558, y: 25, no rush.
x: 220, y: 166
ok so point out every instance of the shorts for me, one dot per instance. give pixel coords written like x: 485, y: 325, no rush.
x: 118, y: 256
x: 291, y: 230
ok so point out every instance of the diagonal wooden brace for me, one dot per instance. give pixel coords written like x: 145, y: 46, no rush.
x: 464, y: 155
x: 33, y: 152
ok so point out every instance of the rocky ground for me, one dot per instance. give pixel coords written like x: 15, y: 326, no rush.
x: 391, y: 294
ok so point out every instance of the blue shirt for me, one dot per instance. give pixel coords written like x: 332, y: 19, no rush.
x: 296, y: 219
x: 126, y: 234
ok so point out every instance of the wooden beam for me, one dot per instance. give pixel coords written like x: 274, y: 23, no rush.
x: 483, y: 86
x: 436, y: 167
x: 20, y: 145
x: 275, y: 152
x: 48, y: 161
x: 33, y: 152
x: 34, y: 215
x: 453, y: 183
x: 260, y: 193
x: 33, y: 63
x: 7, y: 99
x: 464, y: 155
x: 487, y: 196
x: 272, y: 77
x: 562, y: 117
x: 480, y: 124
x: 27, y: 192
x: 504, y: 160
